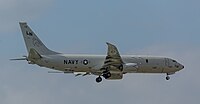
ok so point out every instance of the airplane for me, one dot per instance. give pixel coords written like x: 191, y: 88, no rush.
x: 111, y: 66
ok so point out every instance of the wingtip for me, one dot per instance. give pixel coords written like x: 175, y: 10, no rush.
x: 18, y: 59
x: 108, y: 43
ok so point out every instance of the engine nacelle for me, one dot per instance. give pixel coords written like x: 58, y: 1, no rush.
x: 130, y: 67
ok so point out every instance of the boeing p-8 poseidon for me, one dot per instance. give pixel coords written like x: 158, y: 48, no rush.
x: 111, y: 66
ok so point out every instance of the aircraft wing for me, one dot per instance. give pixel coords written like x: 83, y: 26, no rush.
x: 113, y: 61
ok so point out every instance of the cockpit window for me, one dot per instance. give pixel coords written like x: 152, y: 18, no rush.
x: 173, y: 60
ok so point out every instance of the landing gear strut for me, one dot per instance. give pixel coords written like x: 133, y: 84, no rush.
x: 98, y: 79
x: 167, y: 77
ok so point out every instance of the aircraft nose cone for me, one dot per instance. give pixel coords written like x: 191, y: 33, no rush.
x: 181, y: 66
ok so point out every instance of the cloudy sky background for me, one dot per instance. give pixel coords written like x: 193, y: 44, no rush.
x: 151, y: 27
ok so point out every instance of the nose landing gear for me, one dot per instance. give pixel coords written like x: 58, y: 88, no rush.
x: 167, y: 77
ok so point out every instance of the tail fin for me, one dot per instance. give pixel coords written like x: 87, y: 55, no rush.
x: 33, y: 42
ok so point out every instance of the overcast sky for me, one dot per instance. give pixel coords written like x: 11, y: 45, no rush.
x: 168, y: 28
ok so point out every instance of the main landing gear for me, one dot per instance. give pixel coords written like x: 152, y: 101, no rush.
x: 98, y: 79
x: 167, y: 77
x: 106, y: 75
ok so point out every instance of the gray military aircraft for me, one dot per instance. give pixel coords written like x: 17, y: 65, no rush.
x: 111, y: 66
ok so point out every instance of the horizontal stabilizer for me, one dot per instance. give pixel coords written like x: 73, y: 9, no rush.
x: 23, y: 58
x: 18, y: 59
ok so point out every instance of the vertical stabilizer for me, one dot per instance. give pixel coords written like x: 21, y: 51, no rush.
x: 33, y: 42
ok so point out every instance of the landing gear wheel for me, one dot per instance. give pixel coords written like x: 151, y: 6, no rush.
x: 98, y: 79
x: 106, y: 75
x: 167, y: 78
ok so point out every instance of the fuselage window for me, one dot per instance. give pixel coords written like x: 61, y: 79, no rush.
x: 147, y: 60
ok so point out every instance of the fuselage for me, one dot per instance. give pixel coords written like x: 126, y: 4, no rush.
x: 93, y: 63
